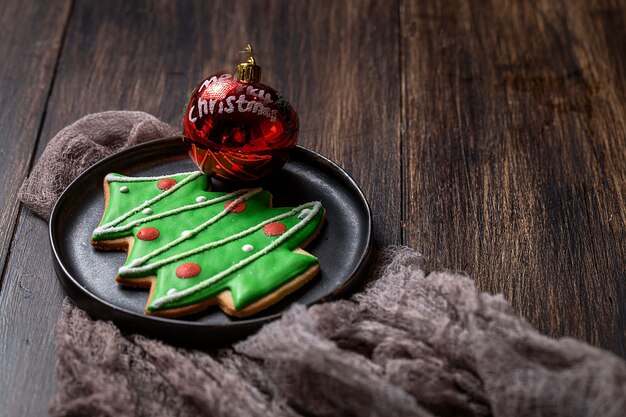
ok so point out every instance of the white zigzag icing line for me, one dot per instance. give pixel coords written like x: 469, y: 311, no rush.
x: 123, y: 178
x: 110, y: 178
x: 135, y: 266
x: 247, y: 193
x: 103, y: 230
x: 314, y: 209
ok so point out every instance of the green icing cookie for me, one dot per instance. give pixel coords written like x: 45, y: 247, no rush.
x: 199, y: 243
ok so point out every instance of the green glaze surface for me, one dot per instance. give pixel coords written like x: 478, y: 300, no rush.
x: 224, y: 264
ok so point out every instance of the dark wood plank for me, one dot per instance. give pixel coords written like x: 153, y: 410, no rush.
x: 346, y: 93
x: 31, y: 34
x: 515, y: 139
x: 29, y: 303
x: 147, y: 56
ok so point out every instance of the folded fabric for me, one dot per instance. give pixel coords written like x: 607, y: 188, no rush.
x: 410, y: 344
x: 82, y: 144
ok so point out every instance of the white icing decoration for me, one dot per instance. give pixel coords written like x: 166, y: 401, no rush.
x: 123, y: 189
x: 303, y: 213
x: 132, y: 267
x: 147, y: 211
x: 313, y: 206
x: 122, y: 178
x: 200, y: 199
x: 111, y: 226
x: 247, y: 248
x: 185, y: 233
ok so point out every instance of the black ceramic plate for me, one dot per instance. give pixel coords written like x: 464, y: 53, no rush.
x: 343, y: 246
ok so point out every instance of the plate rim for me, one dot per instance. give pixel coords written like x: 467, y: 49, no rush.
x: 239, y: 324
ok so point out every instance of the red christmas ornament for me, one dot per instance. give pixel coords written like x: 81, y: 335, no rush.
x: 238, y: 128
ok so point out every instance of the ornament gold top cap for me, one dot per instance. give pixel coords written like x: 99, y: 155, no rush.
x: 249, y: 71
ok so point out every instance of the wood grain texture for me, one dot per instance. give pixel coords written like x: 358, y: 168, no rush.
x: 346, y: 93
x: 28, y: 54
x: 147, y: 55
x: 493, y: 131
x: 31, y: 35
x: 515, y: 118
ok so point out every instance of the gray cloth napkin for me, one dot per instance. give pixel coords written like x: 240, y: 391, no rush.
x: 409, y: 344
x: 80, y: 145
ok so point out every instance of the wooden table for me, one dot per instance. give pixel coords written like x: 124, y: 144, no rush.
x: 490, y: 135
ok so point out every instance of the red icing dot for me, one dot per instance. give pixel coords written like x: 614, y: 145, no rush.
x: 166, y: 184
x: 148, y: 233
x: 188, y: 270
x: 274, y: 229
x: 235, y: 208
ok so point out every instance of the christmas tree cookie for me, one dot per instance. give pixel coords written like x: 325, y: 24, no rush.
x: 195, y: 248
